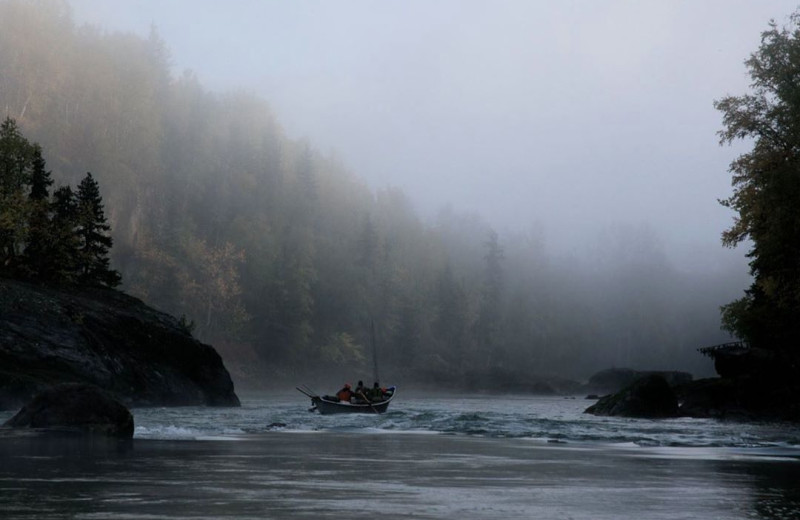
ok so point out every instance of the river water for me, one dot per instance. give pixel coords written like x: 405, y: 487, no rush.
x: 428, y: 457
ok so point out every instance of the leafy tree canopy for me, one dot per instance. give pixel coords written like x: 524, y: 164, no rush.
x: 766, y: 190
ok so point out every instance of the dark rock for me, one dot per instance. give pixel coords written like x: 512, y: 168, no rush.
x: 75, y: 408
x: 738, y: 360
x: 755, y: 384
x: 103, y: 337
x: 615, y: 379
x: 648, y: 397
x: 735, y: 360
x: 742, y: 398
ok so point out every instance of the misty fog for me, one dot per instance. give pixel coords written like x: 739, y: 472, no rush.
x: 575, y: 117
x: 583, y: 132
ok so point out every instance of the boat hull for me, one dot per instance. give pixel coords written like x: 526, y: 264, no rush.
x: 329, y: 407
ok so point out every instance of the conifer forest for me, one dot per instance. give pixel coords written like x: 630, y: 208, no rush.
x: 279, y: 254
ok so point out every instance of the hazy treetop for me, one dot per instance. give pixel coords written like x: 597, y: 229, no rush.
x: 576, y: 117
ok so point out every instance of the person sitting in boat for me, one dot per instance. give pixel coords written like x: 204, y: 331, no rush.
x: 359, y: 394
x: 345, y: 394
x: 376, y: 393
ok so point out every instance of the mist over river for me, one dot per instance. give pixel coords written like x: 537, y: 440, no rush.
x: 478, y: 457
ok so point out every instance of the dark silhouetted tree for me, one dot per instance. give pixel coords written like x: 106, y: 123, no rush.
x: 62, y: 262
x: 37, y: 256
x: 15, y: 174
x: 95, y: 242
x: 40, y: 176
x: 766, y: 195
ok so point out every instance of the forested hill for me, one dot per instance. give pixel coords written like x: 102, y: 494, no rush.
x: 282, y: 258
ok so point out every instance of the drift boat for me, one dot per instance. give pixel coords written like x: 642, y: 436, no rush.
x: 328, y: 404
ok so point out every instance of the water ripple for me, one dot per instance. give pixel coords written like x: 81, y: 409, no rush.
x: 542, y: 418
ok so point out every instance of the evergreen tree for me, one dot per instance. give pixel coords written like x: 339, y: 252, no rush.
x: 487, y: 327
x: 40, y: 177
x: 39, y: 241
x: 15, y: 173
x: 95, y: 242
x: 15, y: 158
x: 63, y: 255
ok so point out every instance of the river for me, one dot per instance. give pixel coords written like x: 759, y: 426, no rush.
x: 479, y: 457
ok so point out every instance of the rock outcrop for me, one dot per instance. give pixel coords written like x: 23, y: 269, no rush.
x: 648, y: 397
x: 103, y: 337
x: 755, y: 397
x: 754, y: 384
x: 75, y: 408
x: 746, y: 397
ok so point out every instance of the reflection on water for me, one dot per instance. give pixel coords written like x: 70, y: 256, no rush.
x: 334, y: 475
x: 217, y: 463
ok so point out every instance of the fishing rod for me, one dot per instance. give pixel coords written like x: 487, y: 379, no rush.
x: 305, y: 391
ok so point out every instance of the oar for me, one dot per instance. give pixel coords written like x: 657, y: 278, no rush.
x: 309, y: 390
x: 367, y: 401
x: 304, y: 392
x: 307, y: 393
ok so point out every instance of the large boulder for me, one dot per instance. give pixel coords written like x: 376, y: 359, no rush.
x: 647, y: 397
x: 103, y: 337
x: 75, y: 408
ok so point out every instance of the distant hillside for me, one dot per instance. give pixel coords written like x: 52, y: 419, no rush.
x: 283, y: 259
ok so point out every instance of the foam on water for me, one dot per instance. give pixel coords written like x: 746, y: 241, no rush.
x: 551, y: 419
x: 165, y: 432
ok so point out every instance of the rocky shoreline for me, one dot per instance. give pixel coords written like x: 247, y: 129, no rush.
x: 741, y: 398
x: 103, y: 337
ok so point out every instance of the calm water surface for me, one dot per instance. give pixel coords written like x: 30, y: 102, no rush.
x: 475, y: 458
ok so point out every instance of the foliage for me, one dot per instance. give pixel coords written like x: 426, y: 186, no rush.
x: 64, y: 240
x: 488, y: 325
x: 94, y: 240
x: 15, y: 175
x: 267, y: 245
x: 342, y: 351
x: 39, y: 241
x: 766, y: 195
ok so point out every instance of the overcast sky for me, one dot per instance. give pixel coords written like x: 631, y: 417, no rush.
x: 570, y: 116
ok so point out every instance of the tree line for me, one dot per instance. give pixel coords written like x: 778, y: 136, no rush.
x: 61, y: 238
x: 283, y: 258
